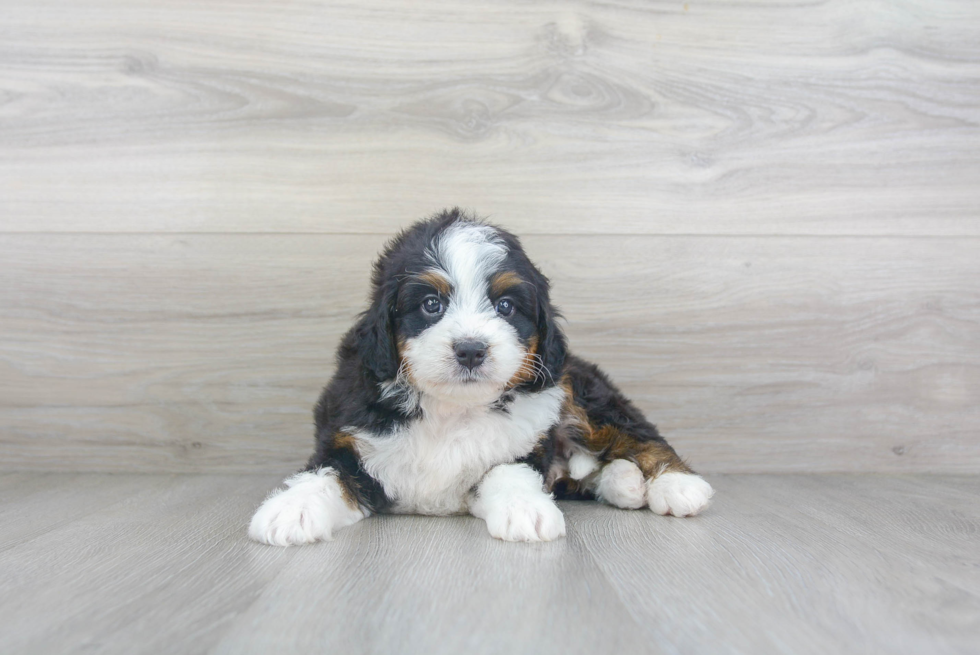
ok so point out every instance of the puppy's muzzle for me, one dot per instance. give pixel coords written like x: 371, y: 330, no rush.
x: 470, y: 353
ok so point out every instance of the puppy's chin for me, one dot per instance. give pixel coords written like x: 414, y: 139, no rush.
x: 466, y: 393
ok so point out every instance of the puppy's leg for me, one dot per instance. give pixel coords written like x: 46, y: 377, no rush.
x: 638, y: 473
x: 310, y: 508
x: 512, y: 500
x: 650, y: 473
x: 638, y: 467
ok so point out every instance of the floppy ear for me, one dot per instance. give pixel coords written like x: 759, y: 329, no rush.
x: 375, y: 335
x: 551, y: 339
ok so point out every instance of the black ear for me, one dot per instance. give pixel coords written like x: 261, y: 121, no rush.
x: 551, y: 340
x: 376, y: 335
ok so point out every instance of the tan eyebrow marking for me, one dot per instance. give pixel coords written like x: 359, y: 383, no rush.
x: 436, y: 281
x: 503, y: 281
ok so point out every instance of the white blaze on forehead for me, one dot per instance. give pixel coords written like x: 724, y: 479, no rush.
x: 468, y: 254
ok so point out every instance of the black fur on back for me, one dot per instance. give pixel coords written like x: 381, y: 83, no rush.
x: 604, y: 403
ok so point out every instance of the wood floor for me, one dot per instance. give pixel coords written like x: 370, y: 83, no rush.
x: 780, y: 563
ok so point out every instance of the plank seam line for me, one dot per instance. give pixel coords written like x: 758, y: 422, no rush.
x: 590, y: 235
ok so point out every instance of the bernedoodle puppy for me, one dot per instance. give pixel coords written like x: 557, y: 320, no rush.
x: 454, y: 393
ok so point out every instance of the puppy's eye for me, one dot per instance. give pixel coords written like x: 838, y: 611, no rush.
x: 505, y: 307
x: 432, y: 305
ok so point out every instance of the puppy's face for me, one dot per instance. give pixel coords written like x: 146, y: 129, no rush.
x: 467, y: 322
x: 464, y: 313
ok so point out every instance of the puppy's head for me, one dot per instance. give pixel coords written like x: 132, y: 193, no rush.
x: 459, y: 313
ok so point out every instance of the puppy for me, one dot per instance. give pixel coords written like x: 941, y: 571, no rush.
x: 454, y: 393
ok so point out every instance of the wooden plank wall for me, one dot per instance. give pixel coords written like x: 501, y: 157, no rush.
x: 762, y: 218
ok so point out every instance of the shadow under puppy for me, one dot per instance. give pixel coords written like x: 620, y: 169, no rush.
x: 454, y: 393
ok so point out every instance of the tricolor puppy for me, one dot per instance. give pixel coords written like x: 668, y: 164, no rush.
x: 454, y: 393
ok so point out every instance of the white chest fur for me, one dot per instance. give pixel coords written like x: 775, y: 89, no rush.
x: 429, y: 465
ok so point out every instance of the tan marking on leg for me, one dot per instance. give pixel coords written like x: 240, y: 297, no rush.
x: 349, y: 495
x: 609, y: 443
x: 653, y: 457
x: 346, y: 441
x: 539, y: 448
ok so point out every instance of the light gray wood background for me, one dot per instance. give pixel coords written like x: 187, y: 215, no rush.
x: 763, y: 218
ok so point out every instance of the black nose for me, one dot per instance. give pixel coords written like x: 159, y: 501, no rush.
x: 471, y: 353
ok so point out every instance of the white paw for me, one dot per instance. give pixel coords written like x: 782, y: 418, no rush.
x: 581, y: 465
x: 512, y: 500
x: 527, y: 519
x: 680, y: 494
x: 308, y: 510
x: 621, y: 484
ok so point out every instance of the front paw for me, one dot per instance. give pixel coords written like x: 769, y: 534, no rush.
x: 527, y: 519
x: 309, y: 510
x: 680, y: 494
x: 285, y: 520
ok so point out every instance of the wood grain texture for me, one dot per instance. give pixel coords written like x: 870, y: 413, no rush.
x: 795, y: 563
x: 831, y: 117
x: 207, y: 352
x: 761, y: 219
